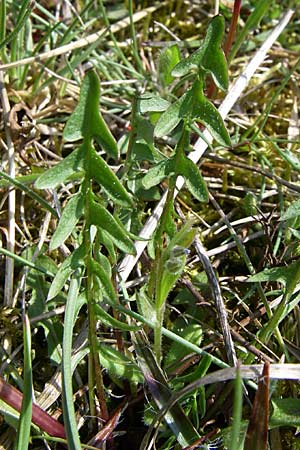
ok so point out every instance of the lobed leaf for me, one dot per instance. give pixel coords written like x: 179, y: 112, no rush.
x: 86, y: 120
x: 213, y: 59
x: 196, y: 106
x: 209, y: 56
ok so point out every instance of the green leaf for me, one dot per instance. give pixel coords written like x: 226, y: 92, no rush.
x: 145, y: 305
x: 105, y: 177
x: 73, y: 262
x: 168, y: 59
x: 286, y: 412
x: 252, y: 22
x: 110, y: 321
x: 192, y: 333
x: 62, y: 171
x: 86, y: 120
x: 196, y: 106
x: 193, y: 179
x: 105, y: 282
x: 119, y: 365
x: 100, y: 217
x: 209, y: 56
x: 213, y: 59
x: 152, y: 103
x: 285, y: 275
x: 292, y: 212
x: 105, y: 239
x: 158, y: 173
x: 169, y: 119
x: 70, y: 423
x: 188, y: 64
x: 24, y: 425
x: 69, y: 218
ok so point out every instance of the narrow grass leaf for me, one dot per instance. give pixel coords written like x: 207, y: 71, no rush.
x: 69, y: 218
x: 72, y: 434
x: 62, y: 171
x: 86, y: 120
x: 257, y: 432
x: 105, y: 177
x: 17, y: 183
x: 237, y: 411
x: 9, y: 395
x: 193, y: 179
x: 23, y: 433
x: 25, y: 262
x: 252, y: 22
x: 24, y: 13
x: 102, y: 218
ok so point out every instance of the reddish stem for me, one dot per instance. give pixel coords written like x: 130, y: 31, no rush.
x: 42, y: 419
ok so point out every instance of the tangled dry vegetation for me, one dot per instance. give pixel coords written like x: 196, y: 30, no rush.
x: 129, y: 301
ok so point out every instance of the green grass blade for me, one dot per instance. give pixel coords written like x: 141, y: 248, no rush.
x: 237, y: 411
x: 29, y: 192
x: 23, y: 433
x: 24, y: 13
x: 67, y: 390
x: 25, y: 263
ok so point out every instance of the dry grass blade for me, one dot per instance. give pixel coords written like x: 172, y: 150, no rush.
x: 231, y: 98
x: 9, y: 268
x: 257, y: 433
x: 218, y: 299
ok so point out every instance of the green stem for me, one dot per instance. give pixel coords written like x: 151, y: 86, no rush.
x: 155, y: 278
x: 95, y: 373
